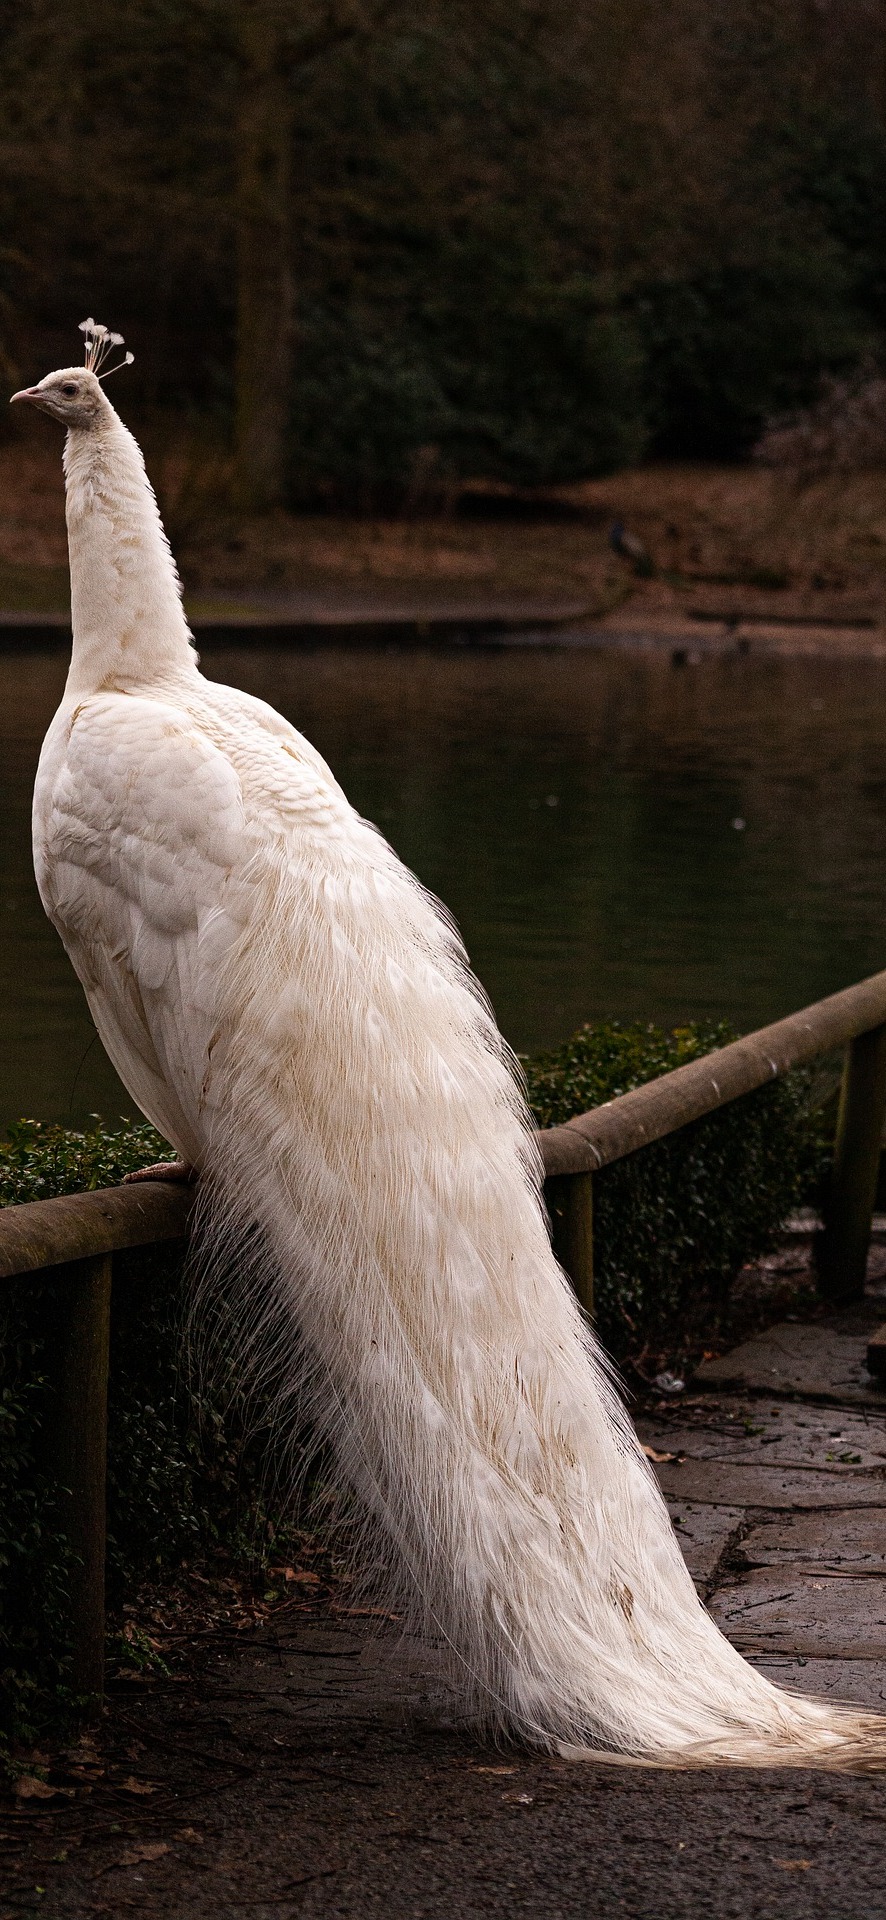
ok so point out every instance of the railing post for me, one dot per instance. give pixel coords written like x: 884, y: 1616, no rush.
x: 843, y: 1251
x: 570, y: 1202
x: 78, y: 1442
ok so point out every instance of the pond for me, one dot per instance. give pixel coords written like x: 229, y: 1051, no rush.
x: 616, y: 834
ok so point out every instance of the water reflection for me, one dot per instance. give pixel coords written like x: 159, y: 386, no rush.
x: 576, y: 810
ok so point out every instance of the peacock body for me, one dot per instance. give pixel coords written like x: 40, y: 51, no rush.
x: 294, y: 1012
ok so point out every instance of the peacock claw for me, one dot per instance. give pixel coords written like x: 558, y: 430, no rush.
x: 161, y: 1170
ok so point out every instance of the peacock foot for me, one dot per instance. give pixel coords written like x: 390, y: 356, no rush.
x: 162, y: 1170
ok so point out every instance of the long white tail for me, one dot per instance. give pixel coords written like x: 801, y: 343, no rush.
x: 370, y: 1124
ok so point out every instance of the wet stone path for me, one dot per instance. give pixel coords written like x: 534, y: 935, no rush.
x: 319, y: 1769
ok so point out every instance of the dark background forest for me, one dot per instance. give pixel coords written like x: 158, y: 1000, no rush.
x: 382, y: 246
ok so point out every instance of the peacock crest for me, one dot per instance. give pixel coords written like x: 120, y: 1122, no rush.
x: 99, y: 343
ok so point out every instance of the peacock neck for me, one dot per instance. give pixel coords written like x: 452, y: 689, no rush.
x: 128, y: 622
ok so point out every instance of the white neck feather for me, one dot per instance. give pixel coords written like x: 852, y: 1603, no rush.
x: 128, y: 621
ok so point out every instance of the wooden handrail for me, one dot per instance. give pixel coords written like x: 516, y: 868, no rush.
x: 659, y: 1107
x: 73, y: 1237
x: 854, y: 1019
x: 45, y: 1233
x: 82, y: 1226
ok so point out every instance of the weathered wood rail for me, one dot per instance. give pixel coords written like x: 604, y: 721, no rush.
x: 73, y: 1239
x: 854, y: 1019
x: 76, y: 1236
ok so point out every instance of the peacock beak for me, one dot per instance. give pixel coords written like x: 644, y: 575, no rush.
x: 25, y: 393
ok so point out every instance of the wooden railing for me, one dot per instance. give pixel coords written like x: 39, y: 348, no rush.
x: 854, y: 1019
x: 76, y: 1236
x: 73, y: 1239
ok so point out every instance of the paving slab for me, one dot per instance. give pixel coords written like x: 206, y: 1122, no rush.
x: 321, y: 1768
x: 776, y: 1433
x: 853, y: 1541
x: 207, y: 1804
x: 722, y: 1483
x: 704, y: 1534
x: 817, y: 1361
x: 780, y: 1609
x: 859, y: 1683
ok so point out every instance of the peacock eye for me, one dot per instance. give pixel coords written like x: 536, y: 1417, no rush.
x: 69, y: 387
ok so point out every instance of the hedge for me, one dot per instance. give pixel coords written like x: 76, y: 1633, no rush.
x: 674, y: 1223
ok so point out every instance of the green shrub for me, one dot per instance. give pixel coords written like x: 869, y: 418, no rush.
x: 545, y: 376
x: 539, y: 381
x: 367, y: 407
x: 38, y: 1160
x: 673, y: 1223
x: 731, y: 346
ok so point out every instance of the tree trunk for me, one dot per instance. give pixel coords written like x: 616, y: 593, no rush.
x: 264, y: 283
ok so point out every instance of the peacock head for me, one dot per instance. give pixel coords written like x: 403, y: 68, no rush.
x: 74, y: 395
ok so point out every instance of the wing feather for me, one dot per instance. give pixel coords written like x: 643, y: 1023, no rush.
x: 140, y: 846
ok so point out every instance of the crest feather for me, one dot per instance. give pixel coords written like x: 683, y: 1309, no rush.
x: 99, y: 342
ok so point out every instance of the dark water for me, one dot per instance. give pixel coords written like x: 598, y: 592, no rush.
x: 576, y: 812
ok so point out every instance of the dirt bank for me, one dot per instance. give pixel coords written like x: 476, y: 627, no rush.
x: 726, y: 544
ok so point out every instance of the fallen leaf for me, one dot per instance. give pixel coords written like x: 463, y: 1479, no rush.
x: 28, y: 1787
x: 136, y: 1856
x: 793, y: 1866
x: 135, y: 1786
x: 190, y: 1833
x: 652, y: 1455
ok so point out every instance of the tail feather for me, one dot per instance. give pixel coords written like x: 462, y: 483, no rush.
x: 370, y: 1123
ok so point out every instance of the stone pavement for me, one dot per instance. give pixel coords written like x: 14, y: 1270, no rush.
x: 777, y: 1485
x: 318, y: 1769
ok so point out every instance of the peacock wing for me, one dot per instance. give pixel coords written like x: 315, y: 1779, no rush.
x: 140, y: 845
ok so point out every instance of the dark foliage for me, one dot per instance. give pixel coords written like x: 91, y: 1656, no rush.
x: 34, y: 1560
x: 183, y: 1471
x: 735, y: 345
x: 673, y: 1224
x: 539, y: 382
x: 529, y: 242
